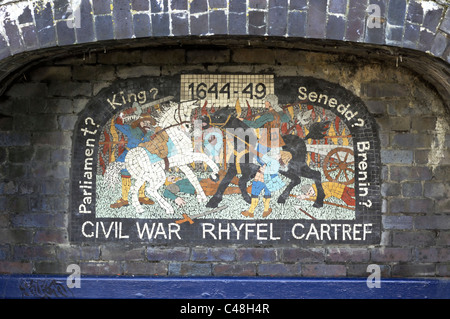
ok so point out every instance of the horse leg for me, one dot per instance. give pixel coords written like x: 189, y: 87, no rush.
x: 217, y: 197
x: 201, y: 197
x: 295, y: 180
x: 247, y: 174
x: 153, y: 185
x: 200, y: 157
x: 317, y: 178
x: 155, y: 179
x: 134, y: 195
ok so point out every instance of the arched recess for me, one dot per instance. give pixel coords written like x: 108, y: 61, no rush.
x: 412, y: 33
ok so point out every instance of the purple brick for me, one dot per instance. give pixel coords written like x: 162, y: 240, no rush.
x: 45, y: 25
x: 279, y: 270
x: 256, y: 254
x: 356, y: 20
x: 413, y: 238
x: 234, y: 270
x: 101, y: 6
x: 413, y: 270
x: 277, y: 21
x: 4, y: 48
x: 298, y: 4
x: 141, y: 25
x: 390, y: 254
x: 436, y: 190
x: 440, y: 43
x: 237, y: 6
x: 180, y: 23
x: 432, y: 19
x: 36, y: 220
x: 256, y: 23
x: 159, y: 6
x: 445, y: 24
x: 12, y: 32
x: 213, y: 254
x: 189, y: 269
x: 198, y: 6
x: 160, y: 24
x: 335, y: 28
x: 179, y: 4
x: 62, y: 9
x: 410, y: 173
x: 411, y: 35
x: 78, y: 253
x: 14, y: 138
x: 397, y: 222
x: 218, y: 22
x: 53, y: 236
x: 411, y: 205
x: 237, y: 23
x: 257, y: 4
x: 303, y: 255
x: 426, y: 40
x: 347, y: 255
x: 296, y: 24
x: 115, y: 252
x: 317, y: 13
x: 337, y: 6
x: 123, y: 24
x: 441, y: 222
x: 29, y: 37
x: 175, y: 254
x: 139, y: 5
x: 104, y: 28
x: 148, y: 269
x: 199, y: 24
x: 26, y: 16
x: 323, y: 270
x: 216, y: 4
x: 101, y: 268
x: 396, y: 12
x: 415, y: 12
x: 34, y: 252
x: 65, y: 34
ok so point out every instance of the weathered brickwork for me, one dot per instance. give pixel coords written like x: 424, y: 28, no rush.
x: 41, y: 24
x: 39, y: 112
x: 51, y: 66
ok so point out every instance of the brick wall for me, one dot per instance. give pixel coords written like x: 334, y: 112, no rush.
x: 39, y: 111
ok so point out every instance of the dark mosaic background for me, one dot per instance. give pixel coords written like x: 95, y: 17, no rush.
x: 286, y: 88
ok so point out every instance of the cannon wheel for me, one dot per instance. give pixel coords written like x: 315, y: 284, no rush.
x: 336, y: 161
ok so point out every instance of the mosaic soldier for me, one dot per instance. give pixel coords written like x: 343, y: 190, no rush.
x: 331, y: 189
x: 267, y: 180
x: 270, y: 121
x: 176, y: 185
x: 137, y: 132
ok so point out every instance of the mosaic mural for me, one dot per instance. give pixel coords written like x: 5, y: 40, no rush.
x: 226, y: 158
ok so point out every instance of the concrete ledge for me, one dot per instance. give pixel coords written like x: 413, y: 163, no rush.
x: 102, y: 287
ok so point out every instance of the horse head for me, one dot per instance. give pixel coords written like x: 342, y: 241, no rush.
x: 221, y: 118
x: 177, y: 114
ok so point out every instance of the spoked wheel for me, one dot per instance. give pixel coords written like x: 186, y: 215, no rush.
x: 339, y: 166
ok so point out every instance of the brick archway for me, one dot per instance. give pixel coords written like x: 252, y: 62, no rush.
x: 405, y: 30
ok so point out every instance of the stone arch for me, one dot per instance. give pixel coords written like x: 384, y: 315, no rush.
x: 405, y: 30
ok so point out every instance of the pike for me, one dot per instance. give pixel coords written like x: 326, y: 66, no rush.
x: 304, y: 212
x: 139, y: 109
x: 190, y: 219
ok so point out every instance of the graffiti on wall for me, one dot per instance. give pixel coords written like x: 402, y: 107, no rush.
x: 226, y: 158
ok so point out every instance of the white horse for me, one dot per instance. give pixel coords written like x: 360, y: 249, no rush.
x: 175, y: 120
